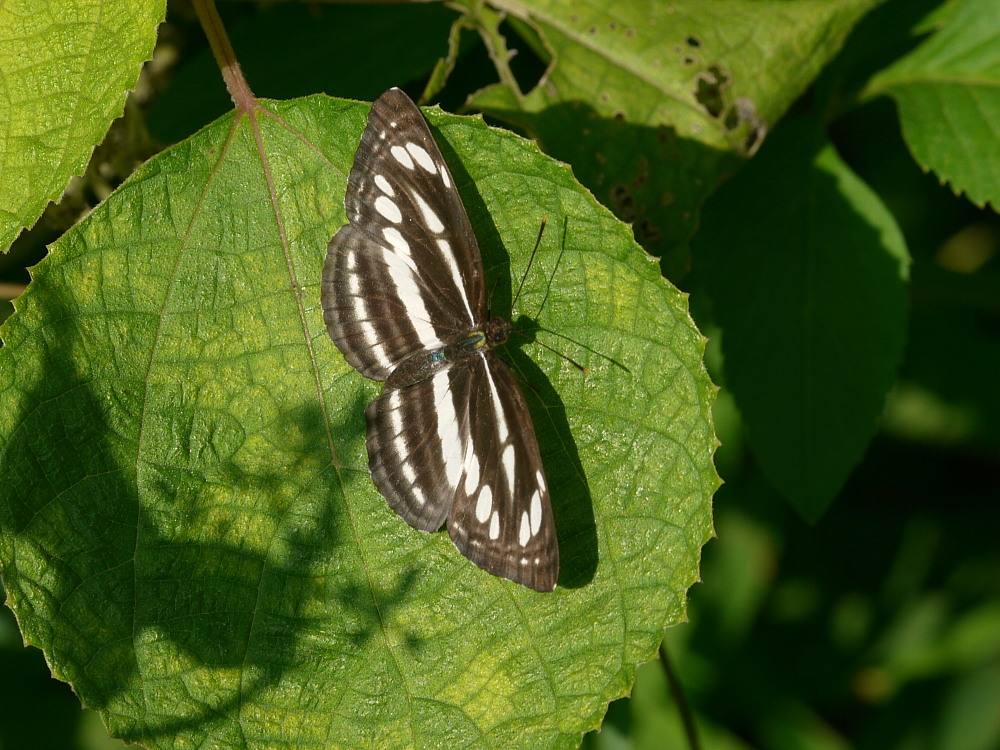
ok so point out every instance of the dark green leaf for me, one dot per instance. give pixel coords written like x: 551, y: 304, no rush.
x: 806, y: 269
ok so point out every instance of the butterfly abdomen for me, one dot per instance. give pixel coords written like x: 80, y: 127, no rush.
x: 423, y: 365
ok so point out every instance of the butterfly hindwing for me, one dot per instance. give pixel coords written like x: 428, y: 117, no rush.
x: 455, y: 447
x: 450, y: 439
x: 505, y: 525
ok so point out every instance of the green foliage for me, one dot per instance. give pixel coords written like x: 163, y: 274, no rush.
x: 640, y: 99
x: 187, y: 526
x: 948, y: 92
x: 190, y: 519
x: 66, y: 70
x: 808, y: 269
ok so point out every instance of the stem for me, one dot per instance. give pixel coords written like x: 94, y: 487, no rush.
x: 488, y: 22
x: 677, y: 693
x: 236, y: 84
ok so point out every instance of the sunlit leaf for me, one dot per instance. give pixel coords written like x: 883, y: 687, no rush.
x: 66, y: 69
x: 187, y: 524
x: 948, y: 93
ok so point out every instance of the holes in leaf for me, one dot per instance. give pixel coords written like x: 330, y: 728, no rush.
x: 710, y: 92
x: 744, y: 112
x: 647, y: 233
x: 666, y: 134
x: 642, y: 176
x: 623, y: 203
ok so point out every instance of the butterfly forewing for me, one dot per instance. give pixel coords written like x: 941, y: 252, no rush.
x: 450, y: 438
x: 405, y: 274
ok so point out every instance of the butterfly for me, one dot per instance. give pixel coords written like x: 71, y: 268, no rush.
x: 450, y: 439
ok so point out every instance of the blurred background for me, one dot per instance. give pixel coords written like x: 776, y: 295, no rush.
x: 876, y: 627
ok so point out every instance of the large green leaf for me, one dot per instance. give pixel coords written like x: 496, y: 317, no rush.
x: 948, y: 92
x: 187, y: 524
x: 806, y: 269
x: 653, y: 103
x: 67, y: 66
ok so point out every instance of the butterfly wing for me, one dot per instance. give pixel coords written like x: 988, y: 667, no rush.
x: 460, y: 446
x: 404, y: 274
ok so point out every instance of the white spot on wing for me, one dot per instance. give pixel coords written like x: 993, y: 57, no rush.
x: 447, y: 429
x: 431, y: 219
x: 495, y: 526
x: 401, y: 155
x: 401, y: 273
x: 396, y: 422
x: 484, y: 504
x: 388, y: 209
x: 456, y: 276
x: 540, y: 478
x: 445, y: 177
x: 536, y: 512
x: 384, y: 186
x: 501, y: 417
x: 418, y: 495
x: 471, y: 470
x: 399, y: 445
x: 400, y: 245
x: 419, y: 153
x: 372, y: 337
x: 508, y: 466
x: 524, y: 533
x: 409, y: 474
x: 395, y: 399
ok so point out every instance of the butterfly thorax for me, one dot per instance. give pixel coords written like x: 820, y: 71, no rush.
x: 422, y: 365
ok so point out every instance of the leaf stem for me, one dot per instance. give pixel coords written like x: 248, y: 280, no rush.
x: 239, y: 90
x: 677, y: 692
x: 488, y: 22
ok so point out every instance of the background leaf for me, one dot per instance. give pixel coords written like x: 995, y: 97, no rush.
x: 285, y: 52
x: 66, y: 69
x: 188, y: 521
x: 948, y: 93
x: 806, y: 269
x: 641, y: 99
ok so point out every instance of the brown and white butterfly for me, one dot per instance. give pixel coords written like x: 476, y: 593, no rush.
x: 450, y: 438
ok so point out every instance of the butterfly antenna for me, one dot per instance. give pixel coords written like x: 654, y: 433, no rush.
x: 548, y: 287
x: 612, y: 360
x: 531, y: 259
x: 542, y: 344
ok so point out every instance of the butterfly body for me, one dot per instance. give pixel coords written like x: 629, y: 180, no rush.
x: 422, y: 365
x: 450, y: 438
